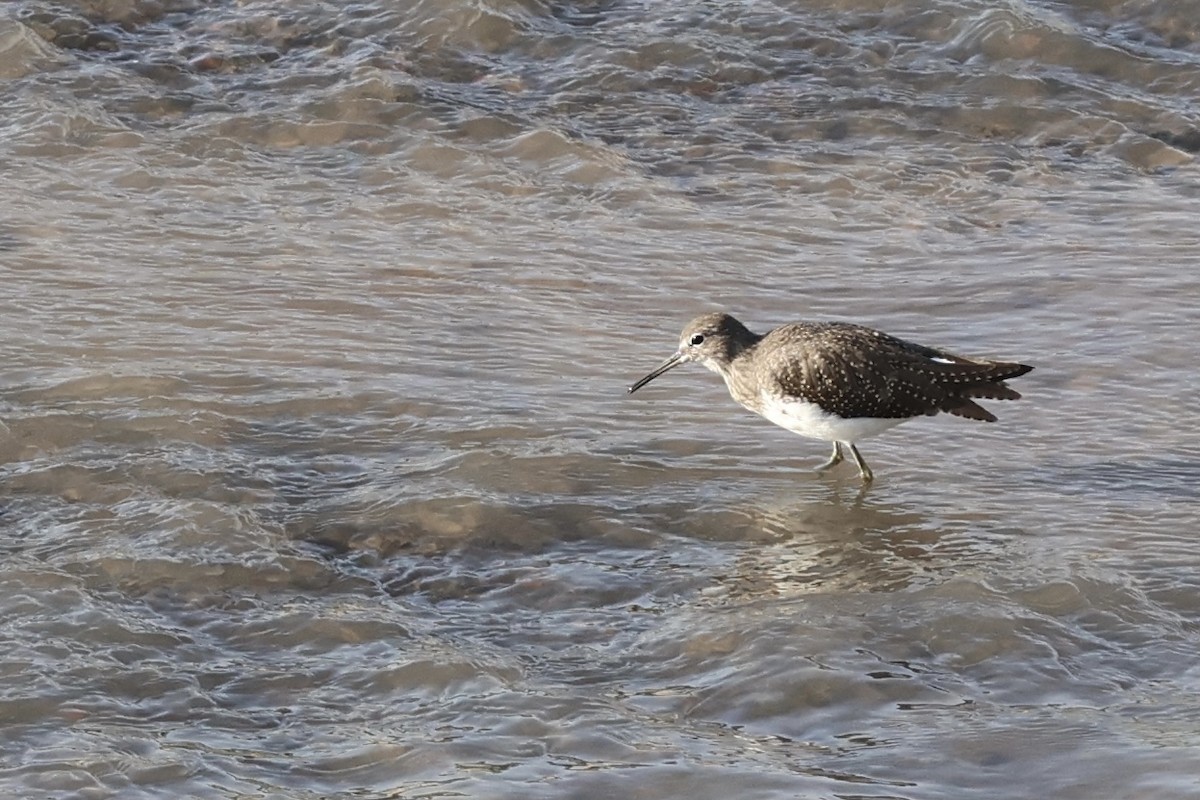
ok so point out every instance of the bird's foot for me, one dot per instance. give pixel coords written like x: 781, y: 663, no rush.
x: 834, y: 459
x: 864, y: 471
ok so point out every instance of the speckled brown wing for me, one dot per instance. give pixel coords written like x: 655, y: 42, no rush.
x: 854, y: 371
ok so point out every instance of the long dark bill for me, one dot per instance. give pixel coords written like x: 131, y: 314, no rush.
x: 663, y: 367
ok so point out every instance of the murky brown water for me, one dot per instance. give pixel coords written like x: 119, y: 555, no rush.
x: 318, y: 474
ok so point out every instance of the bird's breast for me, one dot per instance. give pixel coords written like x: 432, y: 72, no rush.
x: 809, y: 419
x: 743, y: 389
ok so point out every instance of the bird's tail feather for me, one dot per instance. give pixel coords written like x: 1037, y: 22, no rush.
x: 970, y: 410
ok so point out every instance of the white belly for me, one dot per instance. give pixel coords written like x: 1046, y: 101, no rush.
x: 808, y: 419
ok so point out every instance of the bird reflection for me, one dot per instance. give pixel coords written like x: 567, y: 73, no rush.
x: 844, y: 541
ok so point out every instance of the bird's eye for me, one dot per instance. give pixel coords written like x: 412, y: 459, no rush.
x: 696, y: 339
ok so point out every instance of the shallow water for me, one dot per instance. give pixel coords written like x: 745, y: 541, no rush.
x: 318, y: 472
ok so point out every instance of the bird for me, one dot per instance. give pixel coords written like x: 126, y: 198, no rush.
x: 838, y: 381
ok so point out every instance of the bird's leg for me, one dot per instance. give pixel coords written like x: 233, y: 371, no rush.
x: 834, y: 459
x: 864, y: 471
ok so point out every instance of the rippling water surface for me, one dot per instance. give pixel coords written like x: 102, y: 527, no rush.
x: 317, y: 474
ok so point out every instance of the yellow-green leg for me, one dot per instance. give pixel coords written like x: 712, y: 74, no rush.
x: 864, y: 471
x: 834, y: 459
